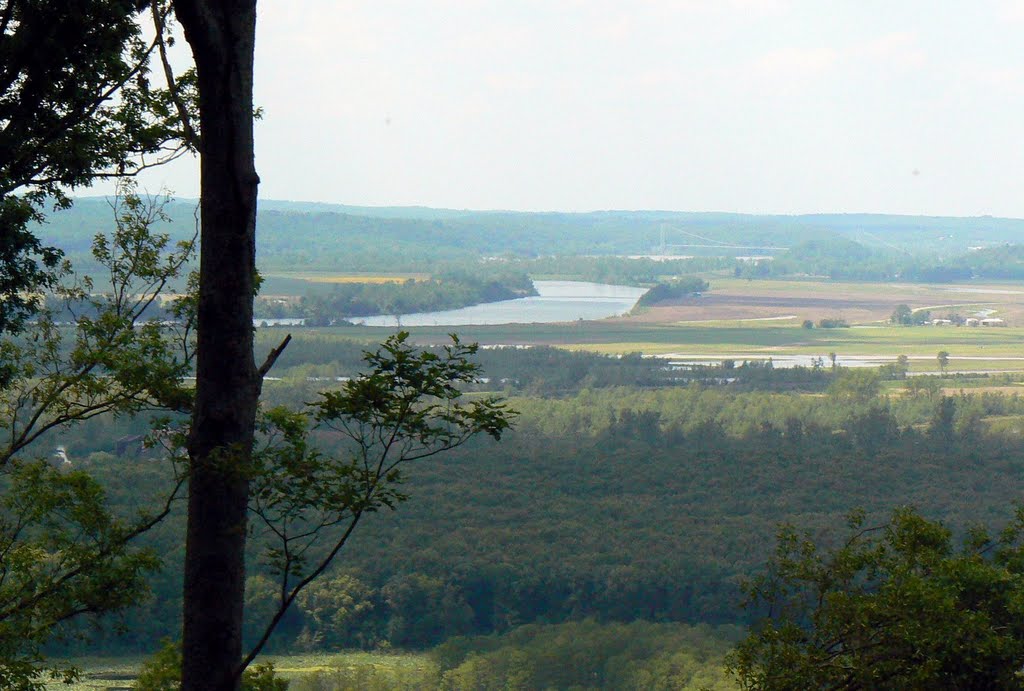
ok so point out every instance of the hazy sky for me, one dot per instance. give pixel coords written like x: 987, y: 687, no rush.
x: 782, y: 106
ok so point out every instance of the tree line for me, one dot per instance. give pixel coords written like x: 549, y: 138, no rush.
x: 445, y: 289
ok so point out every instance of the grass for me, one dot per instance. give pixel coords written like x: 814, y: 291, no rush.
x: 352, y: 666
x: 102, y: 673
x: 119, y: 672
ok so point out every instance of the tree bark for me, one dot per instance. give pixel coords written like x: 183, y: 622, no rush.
x: 221, y: 34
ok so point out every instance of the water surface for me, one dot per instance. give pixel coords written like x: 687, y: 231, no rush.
x: 558, y: 301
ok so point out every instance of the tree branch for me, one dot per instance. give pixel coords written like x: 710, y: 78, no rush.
x: 191, y: 137
x: 272, y: 357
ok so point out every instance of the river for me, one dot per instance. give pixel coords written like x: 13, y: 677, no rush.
x: 557, y: 301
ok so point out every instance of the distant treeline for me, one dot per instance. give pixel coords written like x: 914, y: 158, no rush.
x: 447, y: 289
x: 672, y: 290
x: 843, y: 259
x: 296, y: 236
x: 550, y: 371
x: 636, y: 271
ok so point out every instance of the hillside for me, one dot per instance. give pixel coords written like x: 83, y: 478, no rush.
x: 299, y: 235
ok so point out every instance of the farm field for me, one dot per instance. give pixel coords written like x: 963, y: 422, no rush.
x: 854, y: 302
x: 969, y: 350
x: 292, y: 285
x: 345, y: 277
x: 748, y: 320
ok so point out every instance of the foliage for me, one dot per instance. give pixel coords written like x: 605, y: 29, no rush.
x: 591, y: 246
x: 589, y: 655
x: 113, y: 360
x: 900, y: 368
x: 673, y: 290
x: 405, y: 408
x: 449, y: 289
x: 893, y: 606
x: 425, y: 610
x: 1003, y: 262
x: 335, y: 608
x: 855, y: 386
x: 618, y: 270
x: 63, y: 552
x: 370, y: 672
x: 76, y: 104
x: 64, y: 556
x: 699, y: 475
x: 905, y: 316
x: 841, y: 258
x: 162, y: 672
x: 925, y: 386
x: 551, y: 371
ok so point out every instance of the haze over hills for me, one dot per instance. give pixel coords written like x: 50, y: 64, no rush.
x: 333, y: 236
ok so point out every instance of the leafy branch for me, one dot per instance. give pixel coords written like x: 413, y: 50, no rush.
x: 62, y: 552
x: 407, y: 407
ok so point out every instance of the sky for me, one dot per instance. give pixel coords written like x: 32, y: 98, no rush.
x: 756, y: 106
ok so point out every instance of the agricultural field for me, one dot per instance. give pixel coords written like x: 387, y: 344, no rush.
x: 756, y: 320
x: 855, y: 302
x: 345, y: 277
x: 292, y: 285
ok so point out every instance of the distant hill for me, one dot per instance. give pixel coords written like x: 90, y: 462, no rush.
x: 310, y: 235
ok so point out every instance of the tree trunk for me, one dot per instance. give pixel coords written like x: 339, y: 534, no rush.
x: 221, y: 34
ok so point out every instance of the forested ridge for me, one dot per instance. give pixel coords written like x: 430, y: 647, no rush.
x: 297, y: 237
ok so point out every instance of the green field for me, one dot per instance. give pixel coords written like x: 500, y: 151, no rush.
x: 343, y: 669
x: 749, y: 320
x: 349, y: 671
x: 968, y: 348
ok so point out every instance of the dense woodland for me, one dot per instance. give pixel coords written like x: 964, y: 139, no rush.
x: 843, y: 259
x: 628, y: 491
